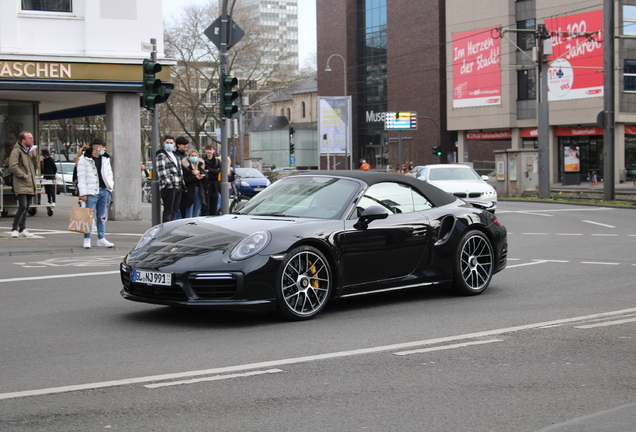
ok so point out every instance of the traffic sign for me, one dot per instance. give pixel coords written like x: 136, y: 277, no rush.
x: 292, y: 159
x: 235, y: 33
x: 400, y: 120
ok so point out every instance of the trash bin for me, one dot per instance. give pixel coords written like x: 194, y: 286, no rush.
x: 622, y: 175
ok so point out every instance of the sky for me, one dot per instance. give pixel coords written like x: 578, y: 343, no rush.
x: 307, y: 46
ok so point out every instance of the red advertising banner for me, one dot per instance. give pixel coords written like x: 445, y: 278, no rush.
x: 630, y: 130
x: 476, y: 72
x: 576, y: 69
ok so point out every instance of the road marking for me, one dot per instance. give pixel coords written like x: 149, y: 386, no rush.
x: 534, y: 233
x: 447, y: 347
x: 606, y: 323
x: 214, y: 378
x: 306, y: 359
x: 20, y: 279
x: 599, y: 263
x: 605, y: 235
x: 598, y: 223
x: 537, y: 261
x: 569, y: 234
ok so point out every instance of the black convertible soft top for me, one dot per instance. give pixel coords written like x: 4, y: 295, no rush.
x: 435, y: 195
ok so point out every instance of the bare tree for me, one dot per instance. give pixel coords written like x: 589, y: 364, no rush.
x: 256, y: 60
x: 74, y: 132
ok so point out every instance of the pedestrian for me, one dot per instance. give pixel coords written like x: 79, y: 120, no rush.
x: 195, y: 179
x: 95, y: 184
x: 22, y: 163
x: 365, y: 166
x: 180, y: 152
x: 49, y: 170
x: 170, y: 177
x: 213, y: 171
x: 80, y: 152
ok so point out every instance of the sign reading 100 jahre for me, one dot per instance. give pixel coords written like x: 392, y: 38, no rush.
x: 400, y: 120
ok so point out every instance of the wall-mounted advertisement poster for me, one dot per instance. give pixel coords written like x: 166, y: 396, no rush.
x: 476, y: 72
x: 576, y: 66
x: 571, y: 160
x: 334, y: 125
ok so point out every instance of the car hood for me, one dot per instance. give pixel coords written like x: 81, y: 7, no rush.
x: 254, y: 181
x: 192, y: 241
x: 452, y: 186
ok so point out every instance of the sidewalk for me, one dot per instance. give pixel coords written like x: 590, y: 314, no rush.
x: 50, y: 234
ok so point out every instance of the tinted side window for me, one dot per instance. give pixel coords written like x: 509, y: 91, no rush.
x: 394, y: 198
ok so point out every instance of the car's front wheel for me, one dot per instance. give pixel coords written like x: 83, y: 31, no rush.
x: 304, y: 284
x: 474, y: 264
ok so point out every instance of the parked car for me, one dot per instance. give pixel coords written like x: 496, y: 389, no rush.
x: 314, y: 236
x: 463, y: 182
x: 64, y: 178
x: 250, y: 181
x: 285, y: 170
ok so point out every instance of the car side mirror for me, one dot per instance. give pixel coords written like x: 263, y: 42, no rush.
x: 485, y: 178
x: 372, y: 213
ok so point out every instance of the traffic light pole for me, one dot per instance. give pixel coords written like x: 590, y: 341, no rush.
x: 225, y: 193
x: 154, y: 183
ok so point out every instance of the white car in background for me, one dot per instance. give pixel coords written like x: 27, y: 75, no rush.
x: 463, y: 182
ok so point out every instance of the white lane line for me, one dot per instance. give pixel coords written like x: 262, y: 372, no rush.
x: 598, y: 223
x: 600, y: 263
x: 605, y: 235
x: 214, y: 378
x: 534, y: 233
x: 606, y: 323
x: 569, y: 234
x: 306, y: 359
x: 447, y: 347
x: 536, y: 261
x: 59, y: 276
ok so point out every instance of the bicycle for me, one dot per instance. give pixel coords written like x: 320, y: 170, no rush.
x: 237, y: 200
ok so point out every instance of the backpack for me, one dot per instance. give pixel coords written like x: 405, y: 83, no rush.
x: 7, y: 175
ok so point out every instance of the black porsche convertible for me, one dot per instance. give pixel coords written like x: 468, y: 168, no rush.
x: 314, y: 236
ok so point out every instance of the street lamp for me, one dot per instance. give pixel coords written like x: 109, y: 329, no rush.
x: 344, y: 66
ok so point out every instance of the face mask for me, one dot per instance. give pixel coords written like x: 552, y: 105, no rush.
x: 194, y: 159
x: 101, y: 152
x: 169, y: 147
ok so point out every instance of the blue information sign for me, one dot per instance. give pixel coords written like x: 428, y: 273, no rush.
x: 292, y: 159
x: 400, y: 120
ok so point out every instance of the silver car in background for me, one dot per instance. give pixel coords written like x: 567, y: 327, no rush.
x: 463, y: 182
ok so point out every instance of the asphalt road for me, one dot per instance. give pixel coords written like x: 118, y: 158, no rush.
x: 550, y: 344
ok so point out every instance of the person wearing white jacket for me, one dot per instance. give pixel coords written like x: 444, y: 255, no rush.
x: 95, y: 184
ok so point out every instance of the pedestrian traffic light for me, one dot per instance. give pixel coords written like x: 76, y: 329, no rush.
x: 153, y: 88
x: 437, y: 150
x: 228, y: 95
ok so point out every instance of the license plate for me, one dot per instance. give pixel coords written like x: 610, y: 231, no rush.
x: 152, y: 277
x: 258, y: 188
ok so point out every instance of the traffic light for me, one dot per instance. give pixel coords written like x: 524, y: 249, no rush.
x: 228, y: 95
x: 153, y: 88
x: 437, y: 150
x: 291, y: 132
x: 292, y: 150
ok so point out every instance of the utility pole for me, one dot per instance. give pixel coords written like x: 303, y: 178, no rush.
x: 154, y: 182
x: 225, y: 193
x: 608, y: 100
x: 543, y: 114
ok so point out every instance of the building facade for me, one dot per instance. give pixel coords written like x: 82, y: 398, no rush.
x: 390, y: 60
x: 493, y: 85
x: 74, y: 58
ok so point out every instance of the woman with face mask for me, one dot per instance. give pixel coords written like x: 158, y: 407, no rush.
x: 196, y: 183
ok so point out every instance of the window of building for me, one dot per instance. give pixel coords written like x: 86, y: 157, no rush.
x: 48, y: 5
x: 288, y: 114
x: 526, y: 84
x: 302, y: 105
x: 629, y: 20
x: 629, y: 76
x: 526, y: 39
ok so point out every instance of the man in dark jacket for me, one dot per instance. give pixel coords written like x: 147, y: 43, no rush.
x: 49, y: 170
x: 22, y: 165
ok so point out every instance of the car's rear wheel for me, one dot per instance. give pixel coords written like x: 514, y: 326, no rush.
x: 474, y: 264
x: 304, y: 284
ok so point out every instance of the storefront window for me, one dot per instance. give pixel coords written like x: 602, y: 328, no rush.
x: 48, y: 5
x: 590, y: 154
x: 15, y: 118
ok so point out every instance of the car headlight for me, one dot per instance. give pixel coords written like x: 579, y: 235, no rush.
x: 489, y: 193
x: 251, y: 245
x: 245, y: 184
x: 148, y: 235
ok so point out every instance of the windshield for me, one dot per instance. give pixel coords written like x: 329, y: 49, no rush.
x: 249, y: 173
x: 453, y: 173
x: 300, y: 196
x: 65, y: 167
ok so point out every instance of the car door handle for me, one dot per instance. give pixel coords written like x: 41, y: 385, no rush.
x: 419, y: 232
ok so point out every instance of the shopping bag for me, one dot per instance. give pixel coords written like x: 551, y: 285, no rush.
x: 81, y: 220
